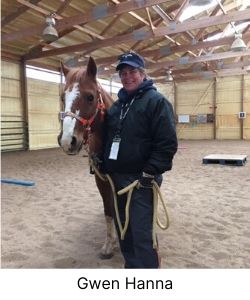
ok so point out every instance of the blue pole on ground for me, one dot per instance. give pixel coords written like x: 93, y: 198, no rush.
x: 18, y: 182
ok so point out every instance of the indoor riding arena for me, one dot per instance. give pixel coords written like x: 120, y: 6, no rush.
x: 198, y: 56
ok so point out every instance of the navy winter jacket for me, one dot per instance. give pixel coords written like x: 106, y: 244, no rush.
x: 148, y: 135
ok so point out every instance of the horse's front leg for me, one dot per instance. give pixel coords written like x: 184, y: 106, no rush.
x: 107, y: 250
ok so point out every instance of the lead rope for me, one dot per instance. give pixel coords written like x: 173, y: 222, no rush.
x: 156, y: 221
x: 129, y: 190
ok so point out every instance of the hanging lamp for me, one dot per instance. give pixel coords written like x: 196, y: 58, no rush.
x: 50, y: 34
x: 238, y: 44
x: 169, y: 76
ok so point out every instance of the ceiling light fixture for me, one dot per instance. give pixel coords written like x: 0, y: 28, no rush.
x: 238, y: 44
x: 169, y: 76
x: 200, y: 2
x: 50, y: 33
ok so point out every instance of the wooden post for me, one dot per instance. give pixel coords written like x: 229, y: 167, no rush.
x: 214, y: 107
x: 242, y: 107
x: 24, y: 99
x: 175, y: 101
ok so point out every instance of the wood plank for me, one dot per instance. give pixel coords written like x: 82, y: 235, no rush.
x: 142, y: 34
x: 121, y: 8
x: 11, y: 17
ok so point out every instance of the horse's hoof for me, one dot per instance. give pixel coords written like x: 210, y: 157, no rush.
x: 105, y: 256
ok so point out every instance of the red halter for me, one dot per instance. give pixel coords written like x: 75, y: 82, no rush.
x: 88, y: 122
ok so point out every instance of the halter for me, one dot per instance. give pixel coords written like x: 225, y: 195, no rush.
x: 87, y: 122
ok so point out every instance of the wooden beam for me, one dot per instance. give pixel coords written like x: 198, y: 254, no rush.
x: 39, y: 47
x: 33, y: 6
x: 63, y: 6
x: 166, y: 51
x: 153, y: 24
x: 136, y: 16
x: 207, y: 76
x: 20, y: 10
x: 58, y: 17
x: 184, y: 4
x: 142, y: 34
x: 92, y: 15
x: 150, y: 20
x: 191, y: 70
x: 203, y: 58
x: 215, y: 12
x: 110, y: 25
x: 9, y: 56
x: 205, y: 22
x: 166, y: 19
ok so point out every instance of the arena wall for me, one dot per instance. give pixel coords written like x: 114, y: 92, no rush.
x: 204, y: 109
x: 209, y: 109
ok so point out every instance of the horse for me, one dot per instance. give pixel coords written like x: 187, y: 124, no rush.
x: 85, y: 105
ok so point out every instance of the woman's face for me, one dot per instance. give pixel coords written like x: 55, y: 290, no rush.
x: 131, y: 78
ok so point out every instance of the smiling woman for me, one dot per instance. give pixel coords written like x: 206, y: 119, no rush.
x: 131, y: 78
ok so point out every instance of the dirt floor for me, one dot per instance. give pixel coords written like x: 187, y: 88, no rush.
x: 59, y: 222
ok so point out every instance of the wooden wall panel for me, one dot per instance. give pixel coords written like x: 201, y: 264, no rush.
x: 193, y: 132
x: 194, y: 99
x: 167, y: 90
x: 43, y: 108
x: 10, y: 89
x: 246, y: 108
x: 228, y: 107
x: 13, y: 126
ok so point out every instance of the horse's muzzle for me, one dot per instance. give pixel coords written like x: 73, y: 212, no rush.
x: 71, y: 147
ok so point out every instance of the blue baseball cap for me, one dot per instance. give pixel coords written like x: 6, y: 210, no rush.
x: 132, y: 59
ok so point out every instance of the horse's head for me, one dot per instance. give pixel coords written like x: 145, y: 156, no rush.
x: 82, y: 101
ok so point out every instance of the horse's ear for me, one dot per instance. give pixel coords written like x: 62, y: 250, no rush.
x: 64, y: 69
x: 91, y: 68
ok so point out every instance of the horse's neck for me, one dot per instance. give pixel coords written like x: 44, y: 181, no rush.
x: 96, y: 140
x: 107, y: 99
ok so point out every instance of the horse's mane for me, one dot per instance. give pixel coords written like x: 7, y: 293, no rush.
x: 75, y: 74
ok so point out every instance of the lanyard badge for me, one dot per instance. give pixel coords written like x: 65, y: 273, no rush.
x: 117, y: 139
x: 115, y: 148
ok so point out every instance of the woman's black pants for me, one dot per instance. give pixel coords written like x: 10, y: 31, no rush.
x: 137, y: 246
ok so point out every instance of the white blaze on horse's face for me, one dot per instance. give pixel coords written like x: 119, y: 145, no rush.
x: 69, y: 122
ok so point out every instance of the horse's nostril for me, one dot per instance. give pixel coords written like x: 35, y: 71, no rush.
x: 73, y: 142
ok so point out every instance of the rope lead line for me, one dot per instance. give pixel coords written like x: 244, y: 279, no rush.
x: 129, y: 190
x: 156, y: 221
x: 156, y: 192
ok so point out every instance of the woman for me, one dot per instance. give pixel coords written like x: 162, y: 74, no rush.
x: 140, y: 144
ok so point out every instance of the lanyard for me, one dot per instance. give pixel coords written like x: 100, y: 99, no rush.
x: 124, y: 111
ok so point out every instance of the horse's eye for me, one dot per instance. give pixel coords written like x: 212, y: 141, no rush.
x: 90, y: 98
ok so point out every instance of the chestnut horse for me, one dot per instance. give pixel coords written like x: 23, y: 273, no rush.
x: 85, y: 104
